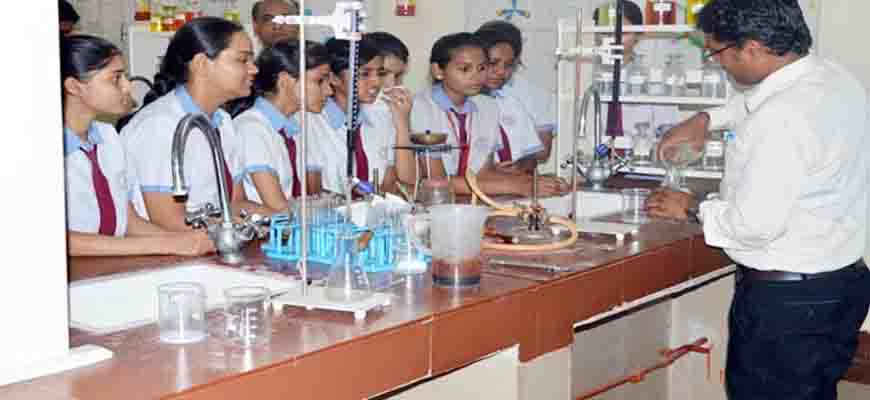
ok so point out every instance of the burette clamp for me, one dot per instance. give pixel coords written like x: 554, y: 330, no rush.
x: 341, y: 20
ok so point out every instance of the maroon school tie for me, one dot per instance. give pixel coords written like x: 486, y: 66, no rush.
x: 505, y: 153
x: 614, y: 120
x: 291, y: 153
x: 464, y: 150
x: 108, y: 218
x: 362, y: 161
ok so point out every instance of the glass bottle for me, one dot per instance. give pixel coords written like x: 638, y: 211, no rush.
x: 675, y: 76
x: 143, y: 11
x: 655, y: 85
x: 693, y: 8
x: 637, y: 75
x: 155, y: 24
x: 231, y: 11
x: 347, y: 281
x: 712, y: 81
x: 194, y: 10
x: 643, y: 144
x: 167, y: 11
x: 606, y: 14
x: 661, y: 12
x: 714, y: 152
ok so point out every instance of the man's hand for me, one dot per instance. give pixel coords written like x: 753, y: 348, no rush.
x: 692, y: 131
x: 670, y: 204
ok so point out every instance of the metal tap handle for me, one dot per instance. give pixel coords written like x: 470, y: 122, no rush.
x: 199, y: 218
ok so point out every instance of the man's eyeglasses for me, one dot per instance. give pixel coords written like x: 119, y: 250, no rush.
x: 709, y: 53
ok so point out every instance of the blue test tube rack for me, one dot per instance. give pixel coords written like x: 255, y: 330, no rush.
x: 285, y: 243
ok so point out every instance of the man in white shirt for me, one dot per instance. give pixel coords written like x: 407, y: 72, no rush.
x: 792, y: 205
x: 267, y: 32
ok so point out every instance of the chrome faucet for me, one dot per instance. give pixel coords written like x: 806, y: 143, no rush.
x: 229, y: 239
x: 601, y: 167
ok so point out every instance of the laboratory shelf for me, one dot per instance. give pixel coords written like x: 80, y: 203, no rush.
x: 699, y: 101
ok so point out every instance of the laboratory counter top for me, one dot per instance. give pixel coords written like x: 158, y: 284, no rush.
x: 425, y: 331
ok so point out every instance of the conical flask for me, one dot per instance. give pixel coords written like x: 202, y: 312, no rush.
x: 347, y: 281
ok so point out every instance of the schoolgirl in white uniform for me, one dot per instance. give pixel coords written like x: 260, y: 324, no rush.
x: 453, y: 106
x: 516, y: 94
x: 101, y: 219
x: 273, y: 161
x: 380, y: 130
x: 209, y: 62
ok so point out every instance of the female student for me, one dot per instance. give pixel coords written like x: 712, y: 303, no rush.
x: 519, y: 137
x: 378, y: 132
x: 209, y: 62
x: 101, y: 219
x: 452, y: 106
x: 395, y: 55
x: 273, y: 160
x: 535, y: 101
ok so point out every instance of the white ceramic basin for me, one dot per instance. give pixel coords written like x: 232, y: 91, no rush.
x: 114, y: 303
x: 590, y: 204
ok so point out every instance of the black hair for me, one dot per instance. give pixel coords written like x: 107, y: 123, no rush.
x: 66, y: 12
x: 446, y: 46
x: 631, y: 11
x: 389, y: 45
x: 80, y: 55
x: 777, y: 24
x: 498, y: 31
x: 209, y: 35
x: 339, y: 50
x: 272, y: 61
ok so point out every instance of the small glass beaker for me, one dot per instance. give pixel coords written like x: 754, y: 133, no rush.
x: 435, y: 191
x: 248, y: 315
x: 634, y: 205
x: 181, y: 312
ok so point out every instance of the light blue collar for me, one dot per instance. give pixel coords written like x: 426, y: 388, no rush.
x: 336, y: 117
x: 190, y: 107
x: 276, y: 119
x: 443, y: 102
x: 72, y: 143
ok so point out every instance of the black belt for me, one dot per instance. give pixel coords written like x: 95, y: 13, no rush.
x: 744, y: 272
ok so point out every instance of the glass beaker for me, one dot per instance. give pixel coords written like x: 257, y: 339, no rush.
x: 347, y: 281
x: 248, y: 315
x: 676, y: 164
x: 643, y: 142
x: 637, y: 76
x: 634, y: 205
x: 713, y: 81
x: 675, y: 76
x: 456, y: 234
x: 181, y: 312
x: 435, y: 191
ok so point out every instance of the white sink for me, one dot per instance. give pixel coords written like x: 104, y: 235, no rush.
x: 105, y: 305
x: 590, y: 204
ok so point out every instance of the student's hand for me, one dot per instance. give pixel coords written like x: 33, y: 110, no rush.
x: 548, y: 186
x: 692, y: 131
x: 399, y: 100
x: 668, y: 203
x: 194, y: 243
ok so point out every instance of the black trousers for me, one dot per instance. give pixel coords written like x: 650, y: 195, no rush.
x: 793, y: 340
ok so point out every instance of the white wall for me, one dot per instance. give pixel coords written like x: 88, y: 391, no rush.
x: 33, y: 280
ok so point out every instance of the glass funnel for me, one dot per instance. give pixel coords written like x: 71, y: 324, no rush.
x: 347, y: 281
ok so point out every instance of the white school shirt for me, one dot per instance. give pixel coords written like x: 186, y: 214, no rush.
x: 794, y: 193
x: 433, y: 111
x: 518, y: 124
x: 329, y: 143
x: 83, y: 211
x: 264, y: 149
x: 148, y: 142
x: 540, y: 103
